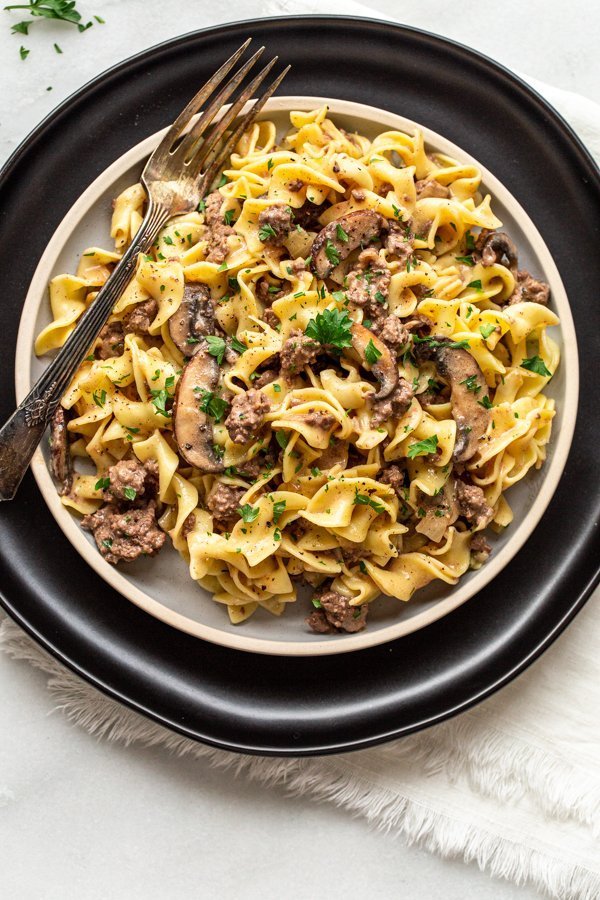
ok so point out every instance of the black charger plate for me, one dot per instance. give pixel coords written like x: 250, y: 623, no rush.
x: 273, y: 705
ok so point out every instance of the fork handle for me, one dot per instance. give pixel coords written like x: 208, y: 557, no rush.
x: 21, y: 434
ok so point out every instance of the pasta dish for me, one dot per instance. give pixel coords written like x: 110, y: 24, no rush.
x: 329, y: 374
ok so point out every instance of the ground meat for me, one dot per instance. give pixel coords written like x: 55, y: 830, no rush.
x: 61, y: 463
x: 307, y: 216
x: 140, y: 318
x: 480, y: 550
x: 277, y: 220
x: 296, y: 185
x: 267, y: 292
x: 319, y: 419
x: 223, y: 504
x: 429, y: 187
x: 297, y: 266
x: 394, y: 476
x: 384, y: 188
x: 338, y: 614
x: 218, y: 231
x: 125, y: 534
x: 271, y: 318
x: 529, y: 289
x: 399, y: 241
x: 369, y: 283
x: 298, y: 351
x: 110, y: 341
x: 247, y: 414
x: 317, y: 622
x: 128, y: 476
x: 358, y: 194
x: 265, y: 378
x: 392, y: 332
x: 394, y: 406
x: 188, y: 525
x: 472, y: 504
x: 353, y: 555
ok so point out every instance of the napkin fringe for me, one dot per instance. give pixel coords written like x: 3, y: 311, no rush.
x: 326, y: 779
x: 505, y: 768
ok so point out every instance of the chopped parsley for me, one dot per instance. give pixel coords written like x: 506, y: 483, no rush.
x: 216, y: 347
x: 332, y: 253
x: 536, y: 364
x: 475, y: 284
x: 433, y: 343
x: 102, y: 484
x: 237, y: 345
x: 372, y: 354
x: 159, y: 402
x: 486, y: 403
x: 130, y: 493
x: 472, y: 384
x: 266, y: 233
x: 99, y: 398
x: 316, y: 603
x: 486, y: 330
x: 341, y: 234
x: 467, y: 260
x: 423, y: 448
x: 470, y: 240
x: 339, y: 296
x: 282, y: 439
x: 168, y: 240
x: 228, y: 216
x: 248, y: 513
x: 332, y: 327
x: 365, y: 500
x: 212, y: 405
x: 278, y: 510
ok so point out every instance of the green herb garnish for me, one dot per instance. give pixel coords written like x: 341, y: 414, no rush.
x: 423, y: 448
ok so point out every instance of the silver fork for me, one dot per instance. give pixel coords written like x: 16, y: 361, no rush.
x: 176, y: 177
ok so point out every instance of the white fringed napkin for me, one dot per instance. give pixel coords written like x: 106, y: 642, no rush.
x: 513, y: 784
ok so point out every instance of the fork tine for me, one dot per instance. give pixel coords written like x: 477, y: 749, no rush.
x: 197, y: 100
x: 186, y: 146
x: 215, y: 165
x: 221, y: 127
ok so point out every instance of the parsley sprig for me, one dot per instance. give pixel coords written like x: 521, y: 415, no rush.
x: 424, y: 447
x: 365, y: 500
x: 332, y: 327
x: 536, y: 364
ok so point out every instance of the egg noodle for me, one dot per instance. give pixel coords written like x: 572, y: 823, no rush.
x: 356, y: 476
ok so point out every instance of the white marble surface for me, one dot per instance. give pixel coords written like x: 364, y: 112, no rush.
x: 85, y: 820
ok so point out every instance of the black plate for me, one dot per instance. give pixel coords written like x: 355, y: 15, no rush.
x: 263, y: 704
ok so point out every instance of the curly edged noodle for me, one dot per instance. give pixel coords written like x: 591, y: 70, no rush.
x: 122, y: 404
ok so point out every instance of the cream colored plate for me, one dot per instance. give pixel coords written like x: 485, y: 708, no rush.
x: 162, y: 586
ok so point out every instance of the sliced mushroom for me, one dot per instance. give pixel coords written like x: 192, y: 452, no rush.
x: 61, y: 463
x: 360, y: 227
x: 441, y: 511
x: 497, y: 248
x: 385, y: 369
x: 468, y: 394
x: 192, y: 428
x: 194, y: 319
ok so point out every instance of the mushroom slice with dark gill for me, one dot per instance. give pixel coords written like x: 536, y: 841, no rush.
x: 338, y: 239
x: 498, y: 249
x: 60, y: 458
x: 385, y: 369
x: 468, y: 394
x: 194, y: 319
x: 192, y: 427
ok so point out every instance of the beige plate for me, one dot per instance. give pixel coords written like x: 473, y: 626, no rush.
x: 162, y: 586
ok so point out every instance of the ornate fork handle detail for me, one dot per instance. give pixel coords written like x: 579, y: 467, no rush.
x: 177, y: 175
x: 23, y: 431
